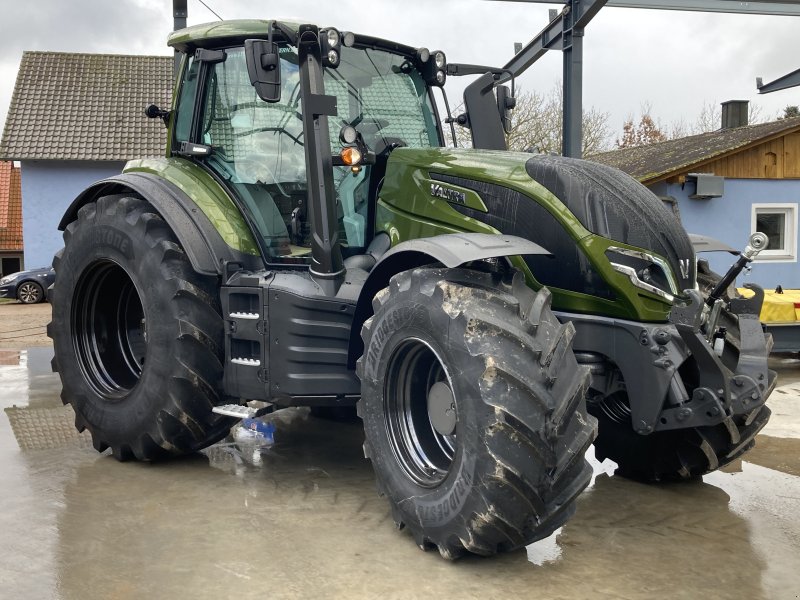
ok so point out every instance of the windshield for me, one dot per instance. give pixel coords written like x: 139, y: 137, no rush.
x: 258, y: 147
x: 383, y: 96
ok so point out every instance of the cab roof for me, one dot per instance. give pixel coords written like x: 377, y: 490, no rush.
x: 222, y: 33
x: 212, y: 33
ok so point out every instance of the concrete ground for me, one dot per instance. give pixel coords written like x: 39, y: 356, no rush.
x: 303, y: 519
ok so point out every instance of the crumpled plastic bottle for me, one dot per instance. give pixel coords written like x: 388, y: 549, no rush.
x: 255, y: 435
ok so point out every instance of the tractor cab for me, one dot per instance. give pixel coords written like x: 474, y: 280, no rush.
x: 246, y: 114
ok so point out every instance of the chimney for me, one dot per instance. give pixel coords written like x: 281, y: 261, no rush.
x: 734, y: 114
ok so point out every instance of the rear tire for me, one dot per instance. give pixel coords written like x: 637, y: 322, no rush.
x: 473, y: 409
x: 30, y: 292
x: 137, y: 333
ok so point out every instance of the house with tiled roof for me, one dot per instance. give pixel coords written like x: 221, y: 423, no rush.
x: 11, y: 256
x: 728, y: 184
x: 75, y: 119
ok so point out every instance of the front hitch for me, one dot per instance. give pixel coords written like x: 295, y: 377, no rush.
x: 758, y: 242
x: 712, y: 396
x: 723, y: 390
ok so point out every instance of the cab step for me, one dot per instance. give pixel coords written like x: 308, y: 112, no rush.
x: 239, y: 411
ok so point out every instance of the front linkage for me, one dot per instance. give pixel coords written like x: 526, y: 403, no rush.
x: 732, y: 381
x: 723, y: 392
x: 677, y: 400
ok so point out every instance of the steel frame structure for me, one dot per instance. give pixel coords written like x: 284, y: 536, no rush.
x: 565, y: 33
x: 781, y: 83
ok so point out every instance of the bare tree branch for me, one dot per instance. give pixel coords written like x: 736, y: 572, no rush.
x: 536, y: 125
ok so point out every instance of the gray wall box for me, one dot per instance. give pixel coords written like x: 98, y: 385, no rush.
x: 707, y: 186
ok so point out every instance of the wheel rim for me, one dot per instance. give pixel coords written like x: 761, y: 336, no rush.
x: 109, y: 330
x: 29, y: 293
x: 422, y: 448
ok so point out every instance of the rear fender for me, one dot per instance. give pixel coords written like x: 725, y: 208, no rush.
x: 200, y: 239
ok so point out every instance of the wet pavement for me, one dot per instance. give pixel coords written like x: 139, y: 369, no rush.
x: 303, y: 519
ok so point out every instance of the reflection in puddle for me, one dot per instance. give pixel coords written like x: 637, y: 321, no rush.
x: 32, y: 405
x: 9, y: 358
x: 45, y: 428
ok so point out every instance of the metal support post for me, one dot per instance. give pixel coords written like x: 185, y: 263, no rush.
x: 179, y: 15
x: 573, y: 93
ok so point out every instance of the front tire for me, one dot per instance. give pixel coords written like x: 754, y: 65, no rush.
x: 137, y: 333
x: 473, y: 409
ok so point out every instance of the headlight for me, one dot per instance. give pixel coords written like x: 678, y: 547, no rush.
x: 333, y: 38
x: 8, y: 279
x: 434, y: 70
x: 646, y: 271
x: 330, y: 40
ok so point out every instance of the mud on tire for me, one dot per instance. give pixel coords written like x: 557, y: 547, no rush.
x: 137, y: 333
x: 503, y: 467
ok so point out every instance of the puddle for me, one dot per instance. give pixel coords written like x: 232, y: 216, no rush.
x: 31, y: 402
x: 236, y: 521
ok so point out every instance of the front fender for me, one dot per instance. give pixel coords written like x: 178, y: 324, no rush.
x: 451, y: 250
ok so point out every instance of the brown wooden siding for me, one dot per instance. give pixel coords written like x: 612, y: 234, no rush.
x: 791, y: 153
x: 775, y: 159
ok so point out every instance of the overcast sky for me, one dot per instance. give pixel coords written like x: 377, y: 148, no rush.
x: 675, y: 61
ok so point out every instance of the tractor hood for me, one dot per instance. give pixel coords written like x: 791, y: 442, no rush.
x: 612, y: 204
x: 581, y: 211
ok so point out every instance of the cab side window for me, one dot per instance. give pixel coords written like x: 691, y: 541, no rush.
x: 183, y: 122
x: 257, y: 147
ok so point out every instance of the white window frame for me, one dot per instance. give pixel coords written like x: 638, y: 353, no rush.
x: 789, y: 253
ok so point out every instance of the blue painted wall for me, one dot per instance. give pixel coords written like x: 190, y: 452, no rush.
x: 728, y: 219
x: 48, y: 188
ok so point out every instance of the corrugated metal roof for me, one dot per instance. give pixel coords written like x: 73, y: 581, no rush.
x: 69, y: 106
x: 10, y: 208
x: 658, y: 161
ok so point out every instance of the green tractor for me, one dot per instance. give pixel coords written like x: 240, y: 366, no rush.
x: 309, y: 240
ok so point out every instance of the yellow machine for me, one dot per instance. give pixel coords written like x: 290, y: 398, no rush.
x: 780, y: 313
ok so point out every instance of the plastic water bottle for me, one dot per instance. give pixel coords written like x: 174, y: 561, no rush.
x: 255, y: 435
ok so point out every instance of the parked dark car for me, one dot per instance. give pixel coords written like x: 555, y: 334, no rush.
x: 29, y: 287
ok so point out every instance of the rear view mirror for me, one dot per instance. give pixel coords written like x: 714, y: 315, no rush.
x: 505, y: 102
x: 484, y: 122
x: 264, y: 69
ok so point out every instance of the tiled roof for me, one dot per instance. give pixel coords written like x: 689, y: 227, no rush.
x: 658, y: 161
x: 10, y: 208
x: 70, y: 106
